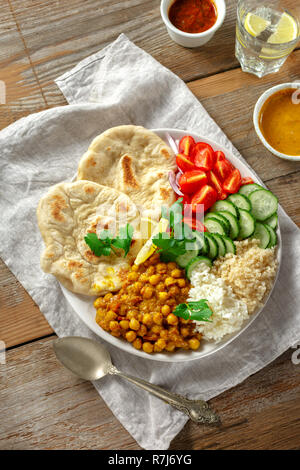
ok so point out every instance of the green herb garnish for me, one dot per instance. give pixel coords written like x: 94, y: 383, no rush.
x: 169, y: 247
x: 199, y: 311
x: 105, y: 243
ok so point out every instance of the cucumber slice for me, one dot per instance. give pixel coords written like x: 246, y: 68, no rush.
x: 215, y: 226
x: 201, y: 242
x: 221, y: 245
x: 264, y: 204
x: 183, y: 260
x: 240, y: 201
x: 272, y: 221
x: 224, y: 205
x: 247, y: 224
x: 247, y: 189
x: 273, y: 237
x: 234, y: 223
x: 212, y: 246
x: 195, y: 262
x: 229, y: 245
x: 218, y: 216
x: 262, y: 234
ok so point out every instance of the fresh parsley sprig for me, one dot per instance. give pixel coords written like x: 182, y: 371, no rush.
x: 199, y: 311
x: 105, y: 243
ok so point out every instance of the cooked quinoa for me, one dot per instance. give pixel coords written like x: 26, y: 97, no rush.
x: 250, y: 272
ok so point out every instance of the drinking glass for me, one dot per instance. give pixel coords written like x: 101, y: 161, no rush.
x: 266, y: 33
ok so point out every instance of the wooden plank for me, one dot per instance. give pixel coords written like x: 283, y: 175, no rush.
x: 43, y: 406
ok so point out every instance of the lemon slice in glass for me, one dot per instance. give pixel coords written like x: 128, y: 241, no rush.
x: 148, y: 249
x: 255, y: 25
x: 286, y: 30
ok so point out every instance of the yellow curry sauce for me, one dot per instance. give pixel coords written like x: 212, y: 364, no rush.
x: 279, y: 121
x: 141, y: 312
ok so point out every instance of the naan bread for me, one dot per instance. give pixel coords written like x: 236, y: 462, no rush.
x: 133, y: 160
x: 65, y: 215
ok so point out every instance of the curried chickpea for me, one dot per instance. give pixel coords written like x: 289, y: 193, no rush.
x: 108, y: 296
x: 176, y: 273
x: 147, y: 292
x: 98, y: 302
x: 132, y: 314
x: 194, y: 343
x: 138, y: 286
x: 110, y: 315
x: 134, y: 324
x: 156, y: 329
x: 142, y: 331
x: 161, y: 268
x: 113, y: 325
x: 169, y: 281
x: 160, y: 344
x: 170, y: 346
x: 147, y: 319
x: 164, y: 334
x: 133, y: 276
x: 124, y: 324
x: 181, y: 282
x: 154, y: 279
x: 174, y: 290
x: 150, y: 270
x: 137, y: 343
x: 184, y: 332
x: 172, y: 319
x: 157, y: 318
x: 148, y: 347
x: 163, y: 296
x: 135, y: 268
x: 172, y: 266
x: 144, y: 278
x: 159, y: 288
x: 130, y: 336
x: 165, y: 309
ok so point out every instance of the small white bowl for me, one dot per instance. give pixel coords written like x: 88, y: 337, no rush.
x: 192, y: 39
x: 256, y: 113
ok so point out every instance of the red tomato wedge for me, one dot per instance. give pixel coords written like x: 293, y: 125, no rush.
x: 223, y: 169
x: 233, y: 182
x: 186, y: 144
x: 217, y: 184
x: 246, y: 180
x: 195, y: 224
x: 207, y: 196
x: 219, y: 155
x: 184, y: 163
x: 203, y: 156
x: 190, y: 181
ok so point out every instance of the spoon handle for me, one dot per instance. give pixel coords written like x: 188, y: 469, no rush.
x: 197, y: 410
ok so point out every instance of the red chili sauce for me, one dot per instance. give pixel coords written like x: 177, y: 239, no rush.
x: 193, y: 16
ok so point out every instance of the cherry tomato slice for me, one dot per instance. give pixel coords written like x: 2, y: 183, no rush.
x: 186, y: 144
x: 246, y: 180
x: 184, y: 163
x: 195, y: 224
x: 217, y: 184
x: 190, y: 181
x: 223, y: 169
x: 203, y: 156
x: 219, y: 155
x: 207, y: 196
x: 233, y: 182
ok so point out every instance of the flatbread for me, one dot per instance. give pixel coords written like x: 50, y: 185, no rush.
x: 133, y: 160
x: 65, y: 215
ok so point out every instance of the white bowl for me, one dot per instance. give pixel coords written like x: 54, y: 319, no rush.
x: 83, y: 305
x: 192, y: 39
x: 256, y: 113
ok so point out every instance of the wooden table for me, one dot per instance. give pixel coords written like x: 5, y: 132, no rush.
x: 41, y: 405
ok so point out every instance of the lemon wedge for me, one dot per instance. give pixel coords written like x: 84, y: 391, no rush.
x: 255, y: 25
x: 286, y: 31
x: 149, y: 248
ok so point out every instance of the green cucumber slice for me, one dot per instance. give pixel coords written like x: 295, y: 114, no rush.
x: 262, y: 234
x: 224, y: 205
x: 264, y: 204
x: 272, y: 221
x: 247, y: 224
x: 273, y: 237
x: 234, y: 223
x: 215, y: 226
x: 221, y: 245
x: 247, y: 189
x: 201, y: 242
x: 240, y: 201
x: 195, y: 262
x: 212, y: 246
x: 218, y: 216
x: 183, y: 260
x: 229, y: 245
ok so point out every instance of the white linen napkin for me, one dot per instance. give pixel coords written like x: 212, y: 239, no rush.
x: 123, y: 85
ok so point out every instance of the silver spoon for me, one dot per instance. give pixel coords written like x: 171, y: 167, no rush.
x: 90, y: 360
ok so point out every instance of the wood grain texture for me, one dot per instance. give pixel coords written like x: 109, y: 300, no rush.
x: 43, y: 406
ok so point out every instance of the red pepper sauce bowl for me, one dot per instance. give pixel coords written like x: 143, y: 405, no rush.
x: 192, y: 23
